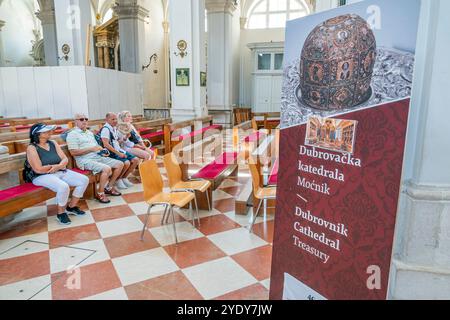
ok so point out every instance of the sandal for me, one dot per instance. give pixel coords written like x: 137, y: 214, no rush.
x: 112, y: 192
x: 103, y: 199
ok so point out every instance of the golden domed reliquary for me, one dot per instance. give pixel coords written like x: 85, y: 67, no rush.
x: 337, y: 63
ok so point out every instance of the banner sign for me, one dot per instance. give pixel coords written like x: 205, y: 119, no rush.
x: 345, y: 105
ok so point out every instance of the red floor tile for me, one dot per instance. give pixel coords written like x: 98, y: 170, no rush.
x: 253, y: 292
x: 172, y: 286
x: 69, y: 236
x: 133, y: 197
x: 93, y: 279
x: 24, y: 267
x: 193, y: 252
x: 155, y: 219
x: 130, y: 243
x: 25, y: 228
x: 224, y: 205
x: 111, y: 213
x: 264, y: 230
x: 215, y: 224
x: 257, y: 262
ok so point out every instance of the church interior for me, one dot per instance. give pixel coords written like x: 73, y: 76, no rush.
x: 201, y: 82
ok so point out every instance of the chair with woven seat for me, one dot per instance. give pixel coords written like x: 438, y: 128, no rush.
x: 259, y: 191
x: 176, y: 183
x: 155, y: 196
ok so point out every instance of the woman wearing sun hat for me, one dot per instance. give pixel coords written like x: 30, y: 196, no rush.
x: 48, y: 169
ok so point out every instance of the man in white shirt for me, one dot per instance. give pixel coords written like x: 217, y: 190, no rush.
x: 90, y: 156
x: 111, y: 142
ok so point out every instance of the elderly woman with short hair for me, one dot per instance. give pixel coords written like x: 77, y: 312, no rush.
x: 130, y: 139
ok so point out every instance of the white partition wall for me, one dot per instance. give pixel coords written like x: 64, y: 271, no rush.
x: 59, y: 92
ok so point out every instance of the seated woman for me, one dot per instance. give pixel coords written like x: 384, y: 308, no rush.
x: 132, y: 142
x: 48, y: 169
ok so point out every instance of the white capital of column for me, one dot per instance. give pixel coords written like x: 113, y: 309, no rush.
x: 214, y: 6
x: 46, y: 16
x: 132, y: 11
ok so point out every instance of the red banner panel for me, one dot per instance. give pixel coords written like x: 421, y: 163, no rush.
x: 336, y: 204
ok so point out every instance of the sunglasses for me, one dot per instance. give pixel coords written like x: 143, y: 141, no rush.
x: 83, y: 119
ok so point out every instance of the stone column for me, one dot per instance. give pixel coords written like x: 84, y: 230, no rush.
x: 132, y: 35
x: 72, y: 21
x: 421, y: 262
x: 187, y: 22
x: 165, y: 26
x: 47, y: 16
x: 2, y: 54
x: 220, y: 57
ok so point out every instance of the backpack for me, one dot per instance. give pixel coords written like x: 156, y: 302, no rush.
x: 65, y: 134
x: 28, y: 174
x: 98, y: 136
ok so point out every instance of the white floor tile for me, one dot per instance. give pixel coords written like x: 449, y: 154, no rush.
x: 115, y: 201
x: 165, y: 235
x: 134, y: 189
x: 218, y: 277
x: 101, y: 253
x: 53, y: 223
x: 236, y: 241
x: 246, y: 220
x: 115, y: 294
x: 220, y: 195
x: 266, y: 283
x: 120, y: 226
x: 227, y: 183
x: 30, y: 214
x: 67, y: 258
x: 24, y: 290
x: 143, y: 266
x: 202, y: 213
x: 140, y: 208
x: 7, y: 251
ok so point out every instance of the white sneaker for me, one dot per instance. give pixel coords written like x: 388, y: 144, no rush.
x: 128, y: 183
x: 121, y: 185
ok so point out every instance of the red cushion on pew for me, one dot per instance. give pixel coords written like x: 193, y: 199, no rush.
x: 4, y: 125
x: 198, y: 132
x: 153, y: 135
x: 273, y: 178
x: 212, y: 170
x: 254, y: 137
x: 85, y: 172
x: 143, y: 129
x: 17, y: 191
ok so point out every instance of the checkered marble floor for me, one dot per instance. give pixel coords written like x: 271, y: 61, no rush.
x: 101, y: 256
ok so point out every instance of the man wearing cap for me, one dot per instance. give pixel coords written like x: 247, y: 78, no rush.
x: 90, y: 156
x: 49, y: 170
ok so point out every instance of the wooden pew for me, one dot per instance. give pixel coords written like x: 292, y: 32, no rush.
x: 265, y: 155
x: 15, y: 199
x: 153, y: 130
x: 241, y: 115
x: 196, y: 131
x: 267, y: 120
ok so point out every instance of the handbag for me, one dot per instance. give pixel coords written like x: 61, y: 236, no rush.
x: 28, y: 174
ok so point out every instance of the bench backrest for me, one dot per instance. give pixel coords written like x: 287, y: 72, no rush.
x: 152, y: 123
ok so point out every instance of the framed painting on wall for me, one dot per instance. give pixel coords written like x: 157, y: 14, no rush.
x: 182, y: 77
x: 202, y: 79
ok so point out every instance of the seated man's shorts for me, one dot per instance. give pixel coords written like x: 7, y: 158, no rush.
x: 97, y: 163
x: 129, y: 157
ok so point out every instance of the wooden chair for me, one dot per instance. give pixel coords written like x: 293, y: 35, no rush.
x: 153, y: 194
x: 176, y: 183
x: 261, y: 193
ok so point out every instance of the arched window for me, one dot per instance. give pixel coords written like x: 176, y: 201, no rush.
x: 108, y: 15
x: 274, y: 13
